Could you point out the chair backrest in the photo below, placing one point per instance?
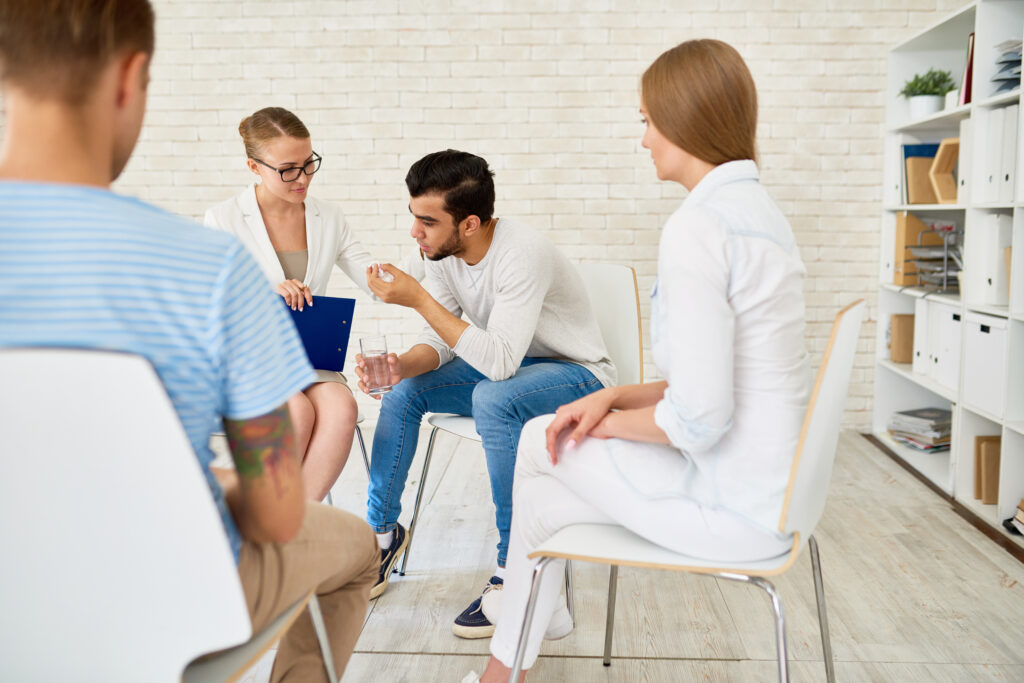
(616, 301)
(116, 564)
(816, 450)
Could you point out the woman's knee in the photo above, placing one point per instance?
(300, 409)
(532, 457)
(334, 400)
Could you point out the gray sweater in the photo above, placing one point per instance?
(524, 298)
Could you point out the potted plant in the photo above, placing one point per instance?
(926, 92)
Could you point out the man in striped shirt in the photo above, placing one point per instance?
(83, 267)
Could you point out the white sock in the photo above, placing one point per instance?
(384, 539)
(500, 573)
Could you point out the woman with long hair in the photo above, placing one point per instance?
(698, 462)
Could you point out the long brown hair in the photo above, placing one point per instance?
(56, 49)
(701, 97)
(265, 125)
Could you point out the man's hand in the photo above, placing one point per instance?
(394, 368)
(581, 417)
(403, 290)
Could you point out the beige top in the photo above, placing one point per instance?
(294, 263)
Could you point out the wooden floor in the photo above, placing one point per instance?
(914, 593)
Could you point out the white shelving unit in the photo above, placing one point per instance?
(968, 345)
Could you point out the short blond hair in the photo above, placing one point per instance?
(701, 97)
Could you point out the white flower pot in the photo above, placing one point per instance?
(925, 105)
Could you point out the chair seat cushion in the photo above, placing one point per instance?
(615, 545)
(460, 425)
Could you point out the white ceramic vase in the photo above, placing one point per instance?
(925, 105)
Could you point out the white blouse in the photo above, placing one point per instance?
(328, 240)
(727, 327)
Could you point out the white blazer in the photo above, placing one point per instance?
(329, 241)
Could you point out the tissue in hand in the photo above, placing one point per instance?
(384, 275)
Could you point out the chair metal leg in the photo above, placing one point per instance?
(780, 621)
(362, 448)
(321, 635)
(569, 602)
(613, 582)
(531, 606)
(780, 626)
(419, 498)
(819, 593)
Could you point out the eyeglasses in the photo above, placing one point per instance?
(291, 174)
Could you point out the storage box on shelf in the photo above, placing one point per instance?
(968, 330)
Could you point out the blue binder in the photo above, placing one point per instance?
(324, 328)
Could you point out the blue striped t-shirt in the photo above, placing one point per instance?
(83, 267)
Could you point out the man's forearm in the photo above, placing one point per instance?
(447, 326)
(420, 359)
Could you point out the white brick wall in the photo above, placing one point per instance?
(547, 92)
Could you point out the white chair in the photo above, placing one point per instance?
(802, 508)
(117, 565)
(615, 298)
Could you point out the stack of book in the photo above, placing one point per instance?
(924, 429)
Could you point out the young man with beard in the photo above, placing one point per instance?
(509, 335)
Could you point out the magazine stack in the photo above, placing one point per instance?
(924, 429)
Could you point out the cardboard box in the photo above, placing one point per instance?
(901, 338)
(910, 232)
(919, 184)
(986, 468)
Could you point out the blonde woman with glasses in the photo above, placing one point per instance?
(297, 240)
(699, 461)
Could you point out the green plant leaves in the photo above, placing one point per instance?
(932, 82)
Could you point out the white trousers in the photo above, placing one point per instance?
(609, 481)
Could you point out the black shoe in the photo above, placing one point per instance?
(389, 558)
(472, 623)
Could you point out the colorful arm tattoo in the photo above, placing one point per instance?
(262, 445)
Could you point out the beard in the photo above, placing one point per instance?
(451, 247)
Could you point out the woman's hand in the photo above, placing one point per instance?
(401, 288)
(295, 293)
(581, 417)
(394, 373)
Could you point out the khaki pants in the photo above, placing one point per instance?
(335, 553)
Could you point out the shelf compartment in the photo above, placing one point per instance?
(988, 513)
(934, 466)
(905, 371)
(967, 425)
(943, 120)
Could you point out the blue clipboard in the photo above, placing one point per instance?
(324, 329)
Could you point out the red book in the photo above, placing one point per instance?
(965, 82)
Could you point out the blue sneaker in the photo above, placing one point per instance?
(473, 623)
